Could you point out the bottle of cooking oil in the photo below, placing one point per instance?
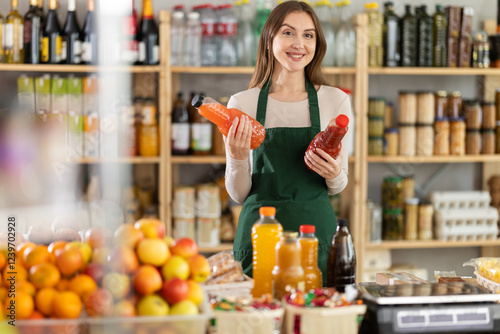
(375, 27)
(439, 38)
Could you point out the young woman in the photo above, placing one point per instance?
(289, 95)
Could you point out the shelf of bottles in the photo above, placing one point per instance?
(434, 71)
(434, 159)
(405, 244)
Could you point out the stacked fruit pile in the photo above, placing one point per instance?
(136, 271)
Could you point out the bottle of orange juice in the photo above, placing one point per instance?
(288, 273)
(309, 244)
(266, 233)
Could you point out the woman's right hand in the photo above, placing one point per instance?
(238, 138)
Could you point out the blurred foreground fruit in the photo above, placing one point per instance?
(67, 305)
(185, 307)
(153, 251)
(152, 305)
(195, 292)
(128, 235)
(176, 266)
(99, 303)
(184, 247)
(151, 227)
(175, 290)
(147, 280)
(118, 284)
(199, 268)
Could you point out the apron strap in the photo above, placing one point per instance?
(262, 103)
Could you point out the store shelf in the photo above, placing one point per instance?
(77, 68)
(246, 70)
(434, 71)
(216, 249)
(406, 244)
(119, 160)
(208, 159)
(435, 159)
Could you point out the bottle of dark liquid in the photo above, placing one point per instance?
(71, 43)
(201, 132)
(341, 263)
(89, 35)
(32, 34)
(180, 127)
(41, 12)
(424, 38)
(391, 36)
(408, 26)
(439, 38)
(130, 46)
(51, 40)
(148, 36)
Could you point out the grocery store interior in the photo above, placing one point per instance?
(97, 129)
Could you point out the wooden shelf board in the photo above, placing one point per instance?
(404, 244)
(193, 159)
(435, 159)
(216, 249)
(77, 68)
(339, 70)
(247, 70)
(433, 71)
(120, 160)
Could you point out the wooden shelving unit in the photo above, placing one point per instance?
(119, 160)
(435, 159)
(77, 68)
(431, 244)
(461, 71)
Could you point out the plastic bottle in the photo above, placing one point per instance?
(177, 38)
(341, 263)
(408, 39)
(223, 118)
(245, 45)
(266, 233)
(313, 278)
(323, 10)
(180, 127)
(424, 38)
(391, 36)
(208, 19)
(439, 38)
(192, 40)
(375, 27)
(329, 140)
(148, 133)
(262, 12)
(345, 46)
(227, 30)
(352, 121)
(288, 273)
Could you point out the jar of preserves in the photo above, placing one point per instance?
(408, 185)
(425, 140)
(425, 107)
(455, 105)
(288, 273)
(407, 140)
(389, 115)
(441, 136)
(489, 115)
(375, 145)
(392, 224)
(472, 142)
(407, 107)
(392, 193)
(411, 218)
(488, 142)
(425, 214)
(457, 136)
(441, 104)
(391, 141)
(375, 126)
(376, 107)
(473, 115)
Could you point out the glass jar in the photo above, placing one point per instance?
(498, 138)
(425, 107)
(391, 141)
(441, 136)
(488, 142)
(389, 115)
(407, 140)
(375, 145)
(375, 220)
(441, 104)
(489, 115)
(411, 218)
(455, 105)
(472, 142)
(408, 185)
(407, 107)
(425, 214)
(425, 140)
(457, 136)
(376, 107)
(375, 126)
(392, 225)
(473, 115)
(392, 193)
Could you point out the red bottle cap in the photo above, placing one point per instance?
(307, 229)
(342, 121)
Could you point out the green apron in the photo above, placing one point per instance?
(280, 178)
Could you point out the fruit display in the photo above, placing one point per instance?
(135, 271)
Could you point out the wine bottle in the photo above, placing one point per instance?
(130, 46)
(51, 40)
(71, 43)
(32, 34)
(89, 45)
(14, 35)
(40, 11)
(148, 36)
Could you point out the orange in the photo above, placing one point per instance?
(63, 285)
(82, 285)
(69, 261)
(22, 274)
(26, 287)
(67, 305)
(24, 305)
(22, 248)
(36, 315)
(55, 245)
(3, 261)
(100, 255)
(44, 299)
(44, 275)
(3, 294)
(36, 255)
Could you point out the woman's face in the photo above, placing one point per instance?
(295, 43)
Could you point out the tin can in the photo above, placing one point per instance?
(208, 232)
(208, 204)
(184, 228)
(183, 205)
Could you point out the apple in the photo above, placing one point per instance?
(195, 292)
(96, 271)
(118, 284)
(199, 268)
(147, 280)
(152, 305)
(175, 290)
(97, 236)
(99, 303)
(84, 248)
(124, 308)
(185, 307)
(128, 235)
(185, 247)
(123, 259)
(176, 266)
(151, 227)
(153, 251)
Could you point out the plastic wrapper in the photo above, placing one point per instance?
(487, 271)
(224, 269)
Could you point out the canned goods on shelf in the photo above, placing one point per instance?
(425, 107)
(425, 214)
(441, 136)
(183, 204)
(184, 228)
(208, 232)
(391, 142)
(208, 204)
(408, 186)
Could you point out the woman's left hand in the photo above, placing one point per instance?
(323, 164)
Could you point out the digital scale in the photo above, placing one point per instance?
(456, 307)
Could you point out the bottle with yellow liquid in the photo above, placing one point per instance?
(309, 244)
(288, 274)
(266, 232)
(14, 36)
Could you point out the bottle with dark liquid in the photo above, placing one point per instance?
(32, 33)
(439, 38)
(341, 263)
(180, 127)
(89, 35)
(391, 36)
(148, 36)
(408, 39)
(71, 43)
(424, 38)
(51, 41)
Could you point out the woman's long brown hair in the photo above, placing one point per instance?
(265, 58)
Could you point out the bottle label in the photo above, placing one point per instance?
(227, 29)
(142, 51)
(20, 37)
(27, 31)
(64, 48)
(58, 49)
(77, 50)
(208, 28)
(156, 54)
(201, 136)
(180, 136)
(9, 36)
(45, 50)
(87, 52)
